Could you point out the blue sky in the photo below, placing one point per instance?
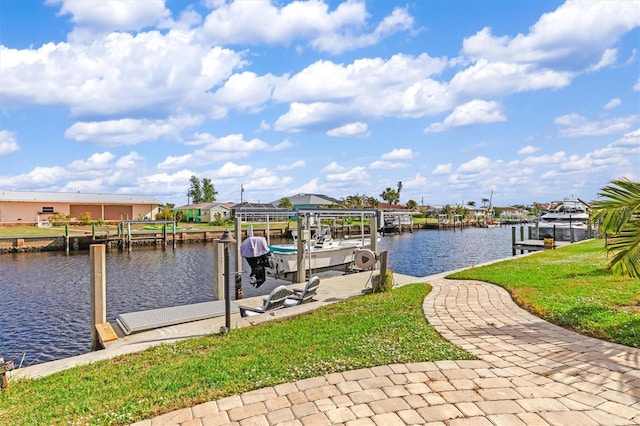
(531, 100)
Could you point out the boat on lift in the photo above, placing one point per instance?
(321, 252)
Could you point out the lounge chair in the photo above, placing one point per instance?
(275, 300)
(304, 295)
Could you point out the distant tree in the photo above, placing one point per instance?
(166, 212)
(390, 195)
(412, 205)
(471, 203)
(372, 202)
(484, 202)
(208, 191)
(399, 189)
(195, 190)
(619, 213)
(447, 210)
(285, 203)
(354, 201)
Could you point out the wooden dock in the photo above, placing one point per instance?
(535, 245)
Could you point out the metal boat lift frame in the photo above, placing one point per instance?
(306, 214)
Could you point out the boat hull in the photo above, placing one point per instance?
(563, 231)
(285, 257)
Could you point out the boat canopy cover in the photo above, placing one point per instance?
(254, 247)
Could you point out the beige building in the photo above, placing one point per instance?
(36, 207)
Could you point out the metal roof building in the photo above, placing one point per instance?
(34, 207)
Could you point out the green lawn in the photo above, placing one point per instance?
(571, 287)
(365, 331)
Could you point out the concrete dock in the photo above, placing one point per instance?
(331, 290)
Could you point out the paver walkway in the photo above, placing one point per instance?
(528, 372)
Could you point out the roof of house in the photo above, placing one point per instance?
(310, 200)
(76, 197)
(205, 206)
(257, 207)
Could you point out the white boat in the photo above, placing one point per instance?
(321, 252)
(566, 220)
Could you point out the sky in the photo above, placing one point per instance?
(459, 100)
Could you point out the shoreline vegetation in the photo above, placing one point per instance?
(570, 286)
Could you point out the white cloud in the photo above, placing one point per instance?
(576, 36)
(473, 112)
(417, 182)
(442, 169)
(333, 167)
(636, 86)
(8, 143)
(295, 165)
(311, 187)
(131, 161)
(94, 18)
(387, 165)
(485, 78)
(128, 131)
(527, 150)
(574, 125)
(355, 174)
(398, 154)
(477, 165)
(214, 149)
(243, 22)
(368, 87)
(351, 129)
(120, 74)
(613, 103)
(246, 90)
(94, 162)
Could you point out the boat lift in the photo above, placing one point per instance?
(305, 217)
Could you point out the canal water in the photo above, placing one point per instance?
(44, 297)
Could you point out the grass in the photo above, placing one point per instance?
(572, 288)
(365, 331)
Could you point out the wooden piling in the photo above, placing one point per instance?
(97, 255)
(218, 269)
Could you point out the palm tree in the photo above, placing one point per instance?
(412, 205)
(372, 202)
(390, 196)
(285, 203)
(619, 214)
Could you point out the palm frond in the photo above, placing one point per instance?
(621, 205)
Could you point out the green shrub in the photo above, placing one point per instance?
(85, 218)
(59, 219)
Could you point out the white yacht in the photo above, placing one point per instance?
(566, 220)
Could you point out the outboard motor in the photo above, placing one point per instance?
(256, 251)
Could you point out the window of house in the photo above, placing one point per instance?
(47, 210)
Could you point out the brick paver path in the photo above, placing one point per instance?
(528, 372)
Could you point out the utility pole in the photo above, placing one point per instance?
(241, 192)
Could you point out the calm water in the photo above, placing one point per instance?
(44, 297)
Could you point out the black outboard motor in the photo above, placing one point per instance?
(256, 251)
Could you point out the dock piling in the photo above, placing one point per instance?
(98, 291)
